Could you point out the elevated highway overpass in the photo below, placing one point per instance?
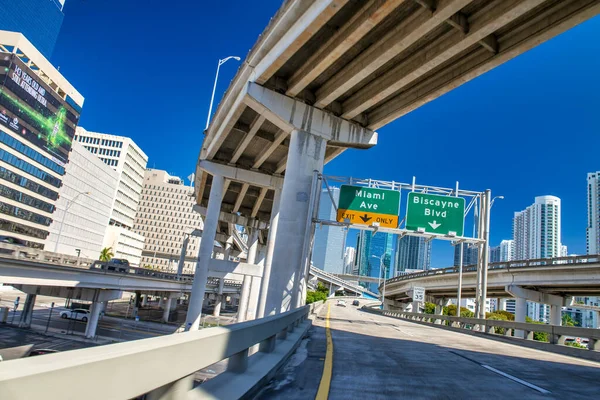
(323, 77)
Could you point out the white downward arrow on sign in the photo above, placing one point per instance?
(434, 224)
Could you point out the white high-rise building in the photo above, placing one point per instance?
(564, 251)
(507, 250)
(349, 257)
(129, 161)
(87, 194)
(593, 215)
(329, 246)
(165, 218)
(536, 230)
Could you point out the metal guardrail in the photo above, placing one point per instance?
(508, 265)
(161, 367)
(556, 334)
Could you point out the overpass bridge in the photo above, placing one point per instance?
(322, 77)
(553, 281)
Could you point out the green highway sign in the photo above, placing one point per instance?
(364, 206)
(435, 213)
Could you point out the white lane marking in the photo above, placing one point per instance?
(514, 378)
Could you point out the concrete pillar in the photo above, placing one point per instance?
(555, 315)
(144, 300)
(255, 284)
(228, 246)
(167, 309)
(92, 324)
(268, 261)
(305, 155)
(502, 304)
(220, 298)
(161, 302)
(209, 232)
(27, 313)
(247, 283)
(520, 313)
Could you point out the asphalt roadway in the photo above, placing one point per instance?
(377, 357)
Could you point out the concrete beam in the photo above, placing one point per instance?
(552, 22)
(289, 114)
(535, 296)
(240, 198)
(293, 38)
(256, 124)
(71, 292)
(241, 175)
(257, 204)
(371, 14)
(435, 54)
(266, 153)
(397, 40)
(232, 267)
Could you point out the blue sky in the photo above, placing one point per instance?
(528, 128)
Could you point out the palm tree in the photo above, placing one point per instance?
(106, 254)
(567, 320)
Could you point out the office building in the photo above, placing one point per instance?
(125, 157)
(536, 230)
(538, 312)
(470, 255)
(329, 241)
(349, 257)
(38, 20)
(507, 250)
(165, 218)
(564, 251)
(87, 196)
(495, 254)
(582, 312)
(412, 253)
(39, 110)
(593, 213)
(373, 250)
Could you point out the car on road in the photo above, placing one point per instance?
(78, 314)
(356, 303)
(341, 303)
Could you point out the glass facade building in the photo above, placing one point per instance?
(371, 247)
(329, 242)
(412, 253)
(38, 20)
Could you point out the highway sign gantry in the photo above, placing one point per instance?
(435, 213)
(365, 206)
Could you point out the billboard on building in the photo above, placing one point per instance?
(31, 108)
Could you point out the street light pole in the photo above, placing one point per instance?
(62, 220)
(212, 98)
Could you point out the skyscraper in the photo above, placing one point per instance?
(371, 248)
(165, 217)
(349, 256)
(412, 253)
(593, 214)
(38, 20)
(470, 255)
(39, 110)
(495, 254)
(507, 250)
(536, 230)
(329, 241)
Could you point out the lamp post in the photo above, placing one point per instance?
(212, 98)
(62, 221)
(486, 235)
(381, 269)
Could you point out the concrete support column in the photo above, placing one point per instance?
(247, 283)
(144, 300)
(520, 313)
(228, 246)
(27, 313)
(167, 309)
(555, 315)
(305, 155)
(268, 261)
(161, 302)
(211, 222)
(220, 298)
(92, 324)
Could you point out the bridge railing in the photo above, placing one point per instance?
(162, 367)
(556, 334)
(343, 282)
(541, 262)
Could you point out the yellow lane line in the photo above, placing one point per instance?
(323, 392)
